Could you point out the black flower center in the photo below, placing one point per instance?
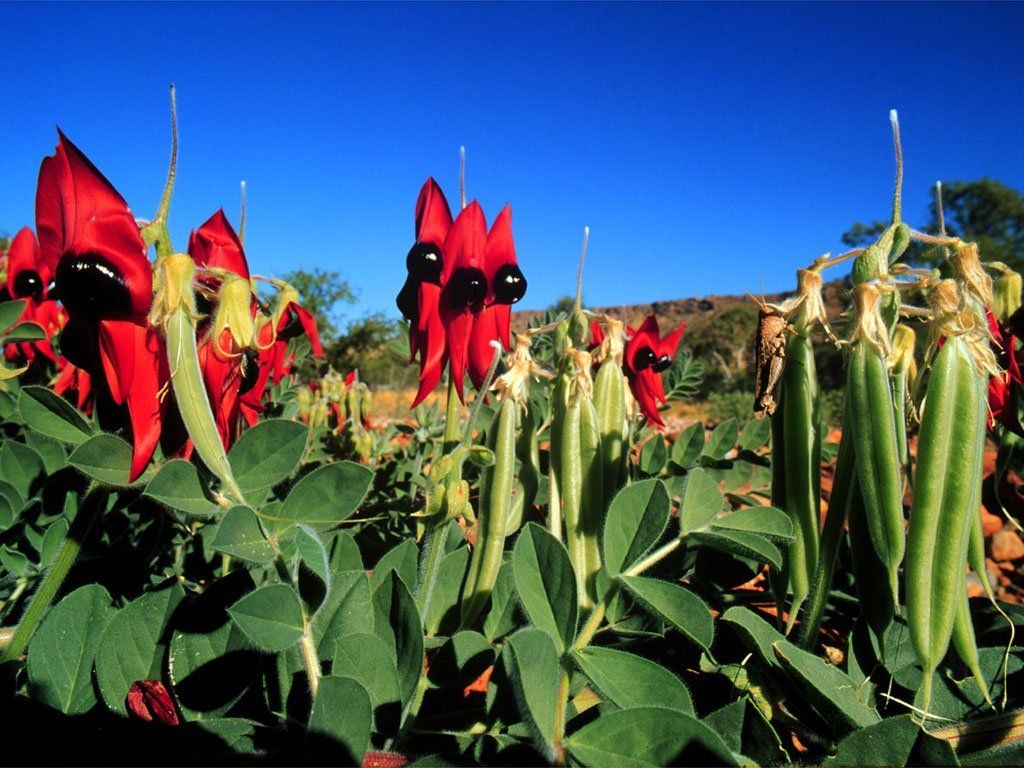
(27, 283)
(407, 299)
(645, 358)
(292, 325)
(509, 284)
(250, 371)
(424, 263)
(92, 288)
(467, 287)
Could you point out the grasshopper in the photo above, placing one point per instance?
(771, 358)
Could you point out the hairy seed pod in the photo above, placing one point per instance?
(949, 470)
(610, 402)
(874, 431)
(796, 452)
(496, 484)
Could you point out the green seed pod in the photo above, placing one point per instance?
(796, 448)
(966, 644)
(902, 370)
(949, 469)
(1006, 293)
(610, 402)
(874, 432)
(481, 455)
(556, 433)
(579, 329)
(592, 504)
(870, 572)
(496, 484)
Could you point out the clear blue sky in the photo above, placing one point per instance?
(708, 147)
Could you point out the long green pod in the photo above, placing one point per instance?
(965, 643)
(571, 492)
(610, 402)
(801, 450)
(496, 485)
(976, 555)
(870, 573)
(592, 503)
(192, 399)
(949, 466)
(559, 415)
(878, 463)
(843, 480)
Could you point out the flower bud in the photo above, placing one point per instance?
(149, 700)
(1006, 294)
(481, 455)
(172, 276)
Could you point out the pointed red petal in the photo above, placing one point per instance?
(22, 255)
(500, 249)
(433, 216)
(216, 245)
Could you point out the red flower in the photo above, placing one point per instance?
(420, 297)
(229, 370)
(149, 700)
(1003, 389)
(647, 355)
(458, 294)
(106, 284)
(28, 279)
(216, 245)
(71, 377)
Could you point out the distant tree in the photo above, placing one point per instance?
(985, 211)
(322, 292)
(371, 344)
(564, 304)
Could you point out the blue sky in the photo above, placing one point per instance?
(710, 148)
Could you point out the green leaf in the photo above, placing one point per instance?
(52, 539)
(701, 501)
(313, 553)
(671, 603)
(461, 660)
(52, 452)
(48, 413)
(397, 622)
(133, 645)
(21, 467)
(630, 681)
(636, 520)
(881, 744)
(546, 584)
(755, 434)
(238, 735)
(403, 560)
(61, 652)
(534, 670)
(177, 485)
(647, 736)
(688, 446)
(653, 455)
(326, 496)
(501, 615)
(346, 610)
(344, 552)
(27, 331)
(239, 535)
(442, 613)
(722, 439)
(271, 617)
(339, 726)
(210, 661)
(103, 457)
(10, 311)
(742, 544)
(368, 660)
(769, 522)
(744, 729)
(266, 454)
(830, 690)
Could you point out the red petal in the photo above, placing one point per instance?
(309, 326)
(149, 700)
(78, 211)
(481, 353)
(500, 249)
(433, 216)
(216, 245)
(23, 254)
(596, 335)
(669, 344)
(641, 386)
(647, 335)
(466, 243)
(135, 364)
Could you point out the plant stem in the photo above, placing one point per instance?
(310, 659)
(451, 419)
(561, 703)
(655, 557)
(94, 501)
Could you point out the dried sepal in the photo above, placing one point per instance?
(770, 352)
(521, 368)
(869, 326)
(612, 345)
(971, 275)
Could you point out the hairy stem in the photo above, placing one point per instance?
(94, 501)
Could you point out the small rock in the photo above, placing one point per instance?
(990, 524)
(1006, 545)
(974, 588)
